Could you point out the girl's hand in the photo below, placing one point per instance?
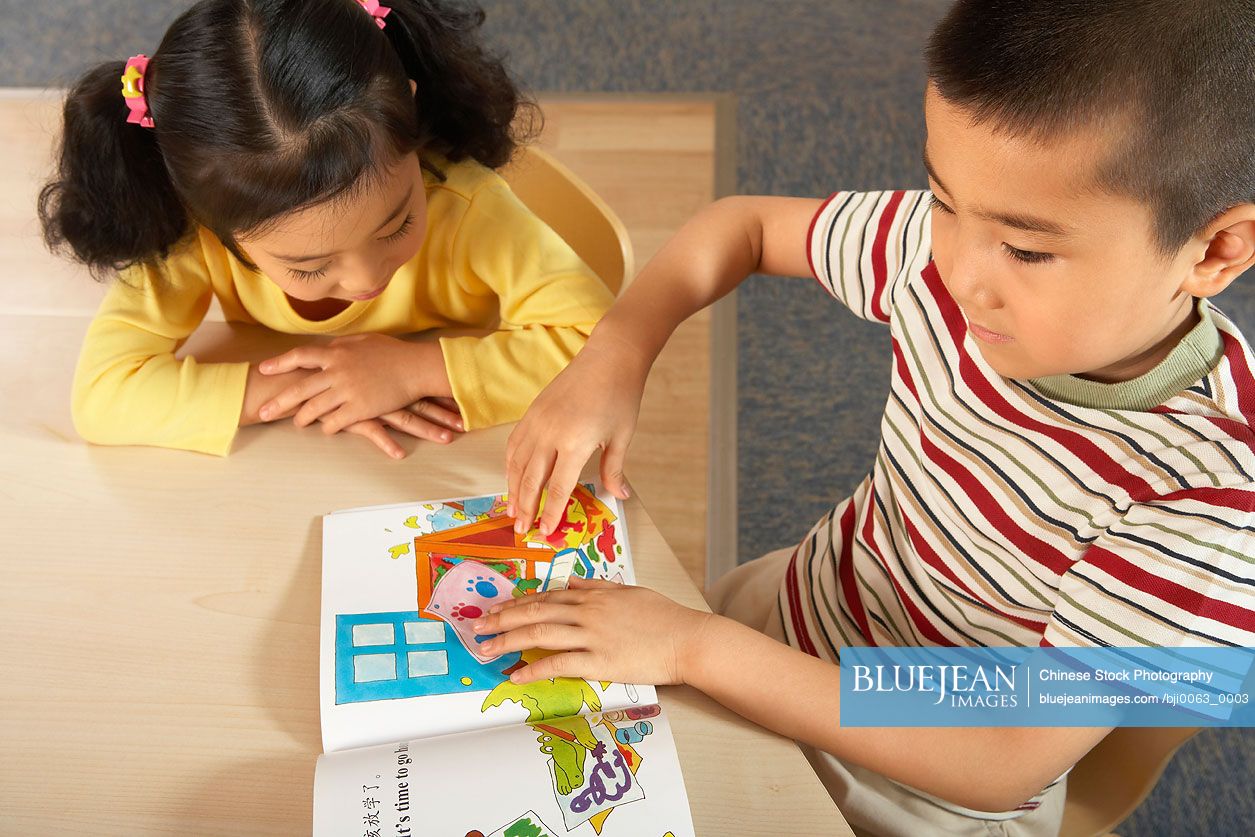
(605, 631)
(591, 404)
(415, 420)
(362, 377)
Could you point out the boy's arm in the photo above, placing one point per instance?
(710, 255)
(797, 695)
(605, 631)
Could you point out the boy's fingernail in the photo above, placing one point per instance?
(264, 412)
(265, 367)
(478, 627)
(544, 529)
(397, 454)
(487, 644)
(444, 435)
(519, 527)
(509, 510)
(495, 609)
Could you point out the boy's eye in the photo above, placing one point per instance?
(307, 275)
(402, 230)
(1026, 256)
(937, 204)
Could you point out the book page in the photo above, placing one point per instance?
(613, 774)
(403, 584)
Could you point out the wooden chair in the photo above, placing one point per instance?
(566, 203)
(1116, 776)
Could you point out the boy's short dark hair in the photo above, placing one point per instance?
(1174, 80)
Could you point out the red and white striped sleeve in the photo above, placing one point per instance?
(862, 246)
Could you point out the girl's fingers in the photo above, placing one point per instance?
(531, 482)
(417, 426)
(302, 357)
(293, 396)
(317, 407)
(339, 419)
(428, 409)
(544, 635)
(569, 664)
(374, 430)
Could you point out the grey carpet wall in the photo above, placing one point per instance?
(828, 96)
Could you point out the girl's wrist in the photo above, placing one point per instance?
(424, 373)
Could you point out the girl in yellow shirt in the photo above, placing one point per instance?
(321, 167)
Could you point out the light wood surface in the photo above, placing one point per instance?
(652, 159)
(160, 608)
(160, 615)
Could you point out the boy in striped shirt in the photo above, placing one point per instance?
(1067, 452)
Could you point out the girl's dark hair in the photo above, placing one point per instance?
(262, 107)
(1173, 82)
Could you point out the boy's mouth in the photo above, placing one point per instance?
(985, 334)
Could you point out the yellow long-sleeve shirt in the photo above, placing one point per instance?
(486, 261)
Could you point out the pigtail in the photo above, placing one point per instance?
(111, 203)
(468, 106)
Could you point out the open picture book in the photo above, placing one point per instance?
(425, 734)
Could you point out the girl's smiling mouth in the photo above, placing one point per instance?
(372, 294)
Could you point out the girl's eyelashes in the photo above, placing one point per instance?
(307, 275)
(1026, 256)
(402, 230)
(310, 275)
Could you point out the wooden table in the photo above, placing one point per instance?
(160, 619)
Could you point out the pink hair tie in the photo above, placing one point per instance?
(133, 91)
(377, 11)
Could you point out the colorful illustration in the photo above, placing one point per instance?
(593, 763)
(490, 544)
(526, 825)
(543, 699)
(385, 656)
(464, 594)
(467, 558)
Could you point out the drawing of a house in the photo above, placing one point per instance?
(492, 542)
(401, 654)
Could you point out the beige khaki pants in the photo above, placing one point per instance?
(872, 804)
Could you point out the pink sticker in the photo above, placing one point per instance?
(463, 595)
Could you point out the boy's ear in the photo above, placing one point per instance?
(1230, 249)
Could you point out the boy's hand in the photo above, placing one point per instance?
(605, 631)
(591, 404)
(362, 377)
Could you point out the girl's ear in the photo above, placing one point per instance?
(413, 87)
(1230, 249)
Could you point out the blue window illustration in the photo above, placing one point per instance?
(384, 656)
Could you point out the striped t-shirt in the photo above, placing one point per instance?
(1057, 511)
